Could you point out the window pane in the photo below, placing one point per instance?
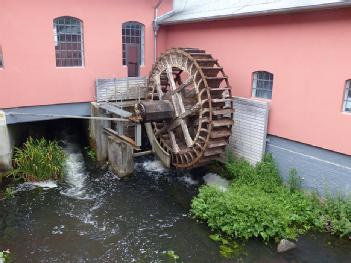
(68, 41)
(349, 94)
(268, 85)
(348, 105)
(263, 84)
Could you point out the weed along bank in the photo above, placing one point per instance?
(175, 131)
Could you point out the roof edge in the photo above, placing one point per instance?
(165, 21)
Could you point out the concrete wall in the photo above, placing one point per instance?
(5, 144)
(30, 76)
(320, 169)
(309, 55)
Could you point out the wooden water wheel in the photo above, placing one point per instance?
(194, 84)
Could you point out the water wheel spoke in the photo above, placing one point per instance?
(188, 140)
(172, 138)
(194, 109)
(171, 77)
(176, 98)
(160, 131)
(174, 124)
(180, 122)
(187, 83)
(159, 89)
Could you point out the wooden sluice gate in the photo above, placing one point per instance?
(117, 141)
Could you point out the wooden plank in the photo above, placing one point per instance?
(115, 110)
(122, 138)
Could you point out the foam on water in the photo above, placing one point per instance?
(45, 184)
(32, 185)
(154, 166)
(188, 180)
(217, 181)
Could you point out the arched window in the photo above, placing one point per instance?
(133, 43)
(68, 36)
(347, 98)
(262, 84)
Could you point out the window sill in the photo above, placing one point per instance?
(82, 67)
(346, 113)
(125, 66)
(261, 99)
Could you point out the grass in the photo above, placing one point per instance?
(38, 160)
(258, 205)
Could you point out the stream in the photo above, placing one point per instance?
(93, 216)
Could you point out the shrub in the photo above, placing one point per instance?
(264, 174)
(38, 160)
(247, 211)
(239, 168)
(258, 204)
(294, 181)
(337, 215)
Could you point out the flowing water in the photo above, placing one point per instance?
(92, 216)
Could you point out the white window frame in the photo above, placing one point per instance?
(57, 42)
(346, 99)
(142, 42)
(255, 79)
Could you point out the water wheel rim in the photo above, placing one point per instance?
(185, 61)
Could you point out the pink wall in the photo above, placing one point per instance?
(30, 76)
(309, 55)
(165, 7)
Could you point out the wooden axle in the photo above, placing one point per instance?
(156, 110)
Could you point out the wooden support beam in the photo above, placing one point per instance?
(122, 138)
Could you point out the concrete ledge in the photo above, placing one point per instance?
(79, 109)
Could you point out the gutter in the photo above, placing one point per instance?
(162, 20)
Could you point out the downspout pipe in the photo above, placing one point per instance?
(156, 27)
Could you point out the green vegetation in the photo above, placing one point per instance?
(38, 160)
(172, 255)
(228, 248)
(336, 213)
(9, 193)
(258, 204)
(90, 153)
(4, 255)
(294, 181)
